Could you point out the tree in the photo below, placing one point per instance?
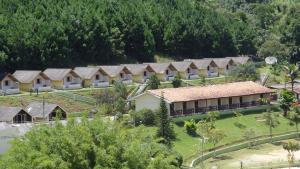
(245, 72)
(215, 136)
(291, 147)
(88, 144)
(294, 116)
(271, 120)
(176, 82)
(292, 72)
(120, 106)
(120, 90)
(211, 118)
(153, 82)
(286, 99)
(165, 128)
(238, 123)
(249, 135)
(191, 127)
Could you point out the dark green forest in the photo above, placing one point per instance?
(35, 34)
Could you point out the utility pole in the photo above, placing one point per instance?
(43, 107)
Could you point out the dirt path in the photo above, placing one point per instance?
(264, 155)
(277, 156)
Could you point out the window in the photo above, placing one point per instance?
(227, 67)
(68, 79)
(6, 83)
(188, 70)
(167, 72)
(145, 73)
(97, 77)
(208, 68)
(38, 81)
(121, 75)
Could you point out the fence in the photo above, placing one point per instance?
(242, 145)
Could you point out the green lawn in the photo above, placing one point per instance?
(190, 146)
(23, 100)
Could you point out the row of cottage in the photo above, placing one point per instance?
(102, 76)
(34, 112)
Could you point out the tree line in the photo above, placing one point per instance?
(39, 34)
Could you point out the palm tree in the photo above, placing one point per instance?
(292, 72)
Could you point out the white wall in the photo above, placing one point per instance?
(125, 76)
(74, 80)
(178, 106)
(235, 100)
(201, 103)
(212, 102)
(102, 78)
(190, 105)
(148, 101)
(11, 84)
(43, 82)
(224, 101)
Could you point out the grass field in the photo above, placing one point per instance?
(22, 100)
(190, 146)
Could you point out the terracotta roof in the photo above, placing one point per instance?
(35, 109)
(58, 74)
(8, 113)
(184, 65)
(210, 92)
(138, 69)
(114, 70)
(240, 59)
(297, 90)
(88, 72)
(202, 63)
(160, 67)
(222, 62)
(27, 76)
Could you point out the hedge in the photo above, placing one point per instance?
(224, 114)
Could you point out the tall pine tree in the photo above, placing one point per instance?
(165, 128)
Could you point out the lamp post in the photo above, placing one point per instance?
(202, 151)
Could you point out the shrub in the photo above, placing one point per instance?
(145, 116)
(191, 127)
(177, 81)
(153, 82)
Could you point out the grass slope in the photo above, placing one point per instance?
(189, 146)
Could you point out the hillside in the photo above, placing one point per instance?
(43, 33)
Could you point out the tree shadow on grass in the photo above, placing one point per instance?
(221, 158)
(278, 143)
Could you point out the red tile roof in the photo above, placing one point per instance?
(210, 92)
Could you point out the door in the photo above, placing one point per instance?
(196, 107)
(184, 107)
(230, 101)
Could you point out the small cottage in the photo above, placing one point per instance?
(93, 76)
(8, 84)
(31, 80)
(117, 73)
(45, 111)
(63, 78)
(163, 71)
(186, 69)
(14, 115)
